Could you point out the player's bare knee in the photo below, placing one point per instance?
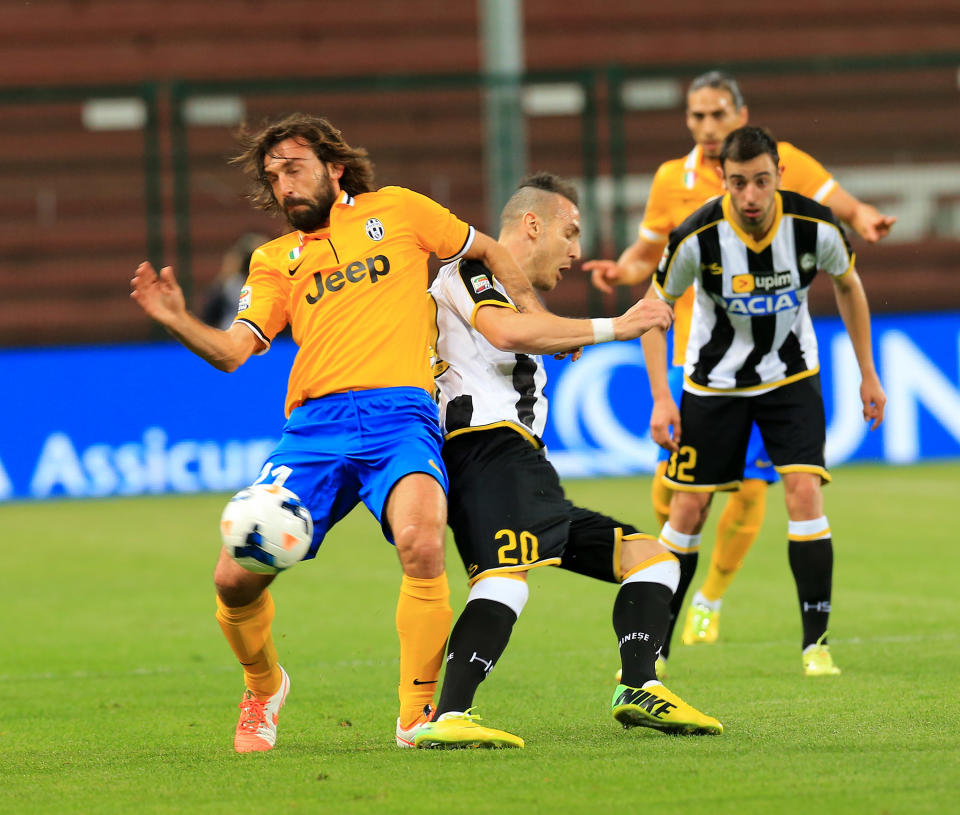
(803, 496)
(689, 510)
(235, 585)
(420, 549)
(634, 552)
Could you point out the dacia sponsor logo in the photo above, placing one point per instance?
(356, 272)
(645, 700)
(761, 304)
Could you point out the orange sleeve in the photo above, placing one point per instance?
(658, 218)
(437, 229)
(263, 300)
(802, 173)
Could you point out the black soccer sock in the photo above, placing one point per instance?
(812, 566)
(476, 643)
(641, 614)
(688, 567)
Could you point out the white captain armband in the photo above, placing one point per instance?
(602, 330)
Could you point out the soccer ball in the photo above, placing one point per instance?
(266, 528)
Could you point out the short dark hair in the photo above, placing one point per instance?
(747, 143)
(322, 137)
(529, 196)
(549, 182)
(719, 81)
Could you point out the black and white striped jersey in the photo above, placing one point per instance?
(751, 330)
(479, 386)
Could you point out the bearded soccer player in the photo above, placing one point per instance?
(752, 359)
(507, 508)
(362, 424)
(715, 107)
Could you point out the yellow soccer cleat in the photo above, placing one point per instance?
(701, 626)
(460, 730)
(661, 709)
(817, 660)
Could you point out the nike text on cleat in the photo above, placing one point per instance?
(701, 626)
(817, 660)
(661, 709)
(460, 730)
(257, 728)
(405, 735)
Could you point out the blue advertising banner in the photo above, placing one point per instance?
(136, 419)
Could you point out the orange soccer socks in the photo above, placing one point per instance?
(737, 529)
(247, 629)
(423, 623)
(660, 495)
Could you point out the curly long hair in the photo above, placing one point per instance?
(323, 138)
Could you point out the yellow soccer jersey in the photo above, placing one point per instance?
(353, 293)
(683, 185)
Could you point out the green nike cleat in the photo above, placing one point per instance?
(701, 626)
(817, 660)
(460, 730)
(661, 709)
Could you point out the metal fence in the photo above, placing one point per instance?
(95, 178)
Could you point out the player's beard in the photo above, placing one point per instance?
(316, 213)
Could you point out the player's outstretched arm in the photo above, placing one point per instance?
(546, 333)
(161, 297)
(855, 313)
(866, 220)
(501, 263)
(665, 416)
(637, 262)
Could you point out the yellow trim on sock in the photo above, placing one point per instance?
(814, 537)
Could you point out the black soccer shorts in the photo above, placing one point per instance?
(716, 429)
(508, 512)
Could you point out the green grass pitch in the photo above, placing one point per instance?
(119, 692)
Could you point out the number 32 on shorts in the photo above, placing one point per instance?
(517, 549)
(680, 462)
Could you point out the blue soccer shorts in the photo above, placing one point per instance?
(348, 447)
(757, 464)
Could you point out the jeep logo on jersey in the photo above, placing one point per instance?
(374, 229)
(761, 304)
(376, 267)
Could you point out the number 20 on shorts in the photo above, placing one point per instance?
(524, 548)
(680, 462)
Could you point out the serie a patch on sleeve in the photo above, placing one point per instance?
(480, 283)
(245, 295)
